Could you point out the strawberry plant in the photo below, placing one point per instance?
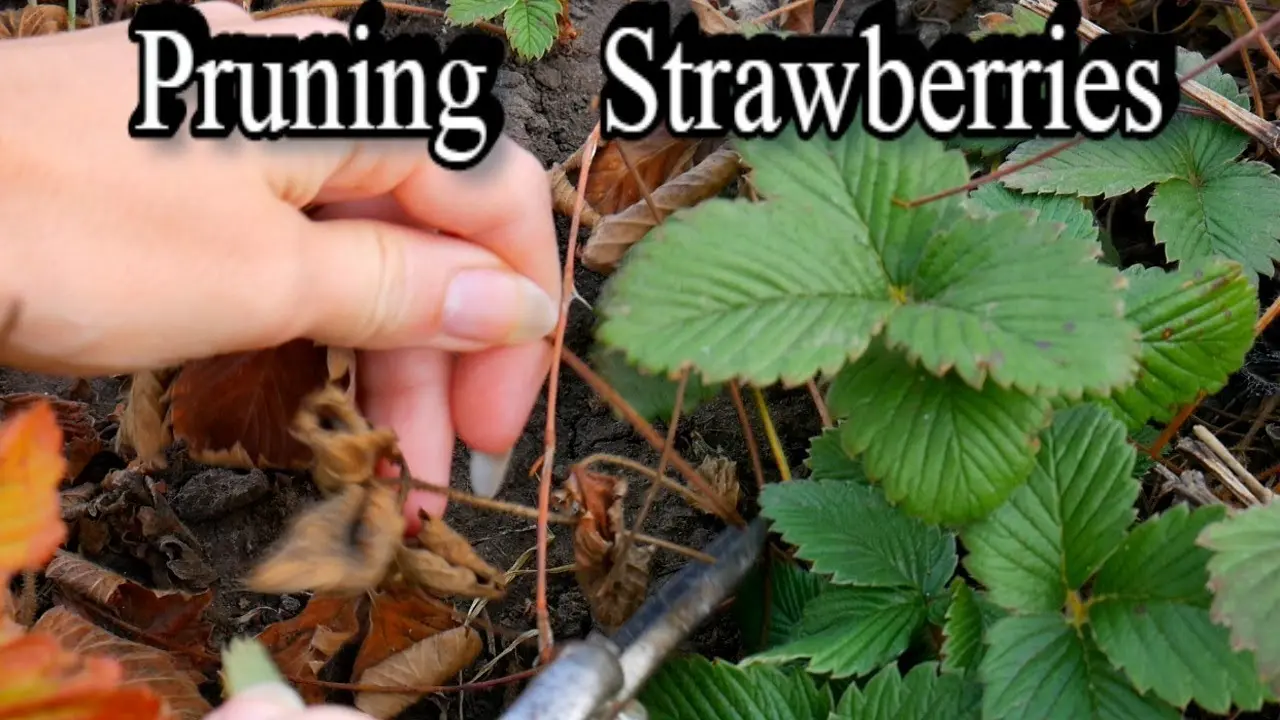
(967, 542)
(531, 26)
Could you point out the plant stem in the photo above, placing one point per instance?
(771, 434)
(651, 493)
(310, 5)
(735, 392)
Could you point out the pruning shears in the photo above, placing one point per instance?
(599, 677)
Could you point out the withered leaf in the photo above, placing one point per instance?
(611, 186)
(712, 20)
(798, 20)
(613, 578)
(80, 439)
(144, 424)
(9, 626)
(940, 10)
(302, 645)
(398, 618)
(236, 410)
(615, 234)
(175, 616)
(448, 565)
(346, 449)
(342, 545)
(722, 475)
(143, 665)
(33, 20)
(429, 663)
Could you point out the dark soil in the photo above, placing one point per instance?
(237, 515)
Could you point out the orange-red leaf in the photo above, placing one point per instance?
(31, 468)
(78, 432)
(40, 680)
(302, 645)
(175, 616)
(141, 668)
(236, 410)
(399, 618)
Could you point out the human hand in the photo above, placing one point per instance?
(123, 254)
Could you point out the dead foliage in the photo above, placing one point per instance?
(143, 666)
(433, 661)
(399, 617)
(174, 617)
(614, 235)
(80, 436)
(613, 578)
(942, 11)
(303, 645)
(128, 515)
(236, 410)
(612, 186)
(33, 20)
(722, 475)
(353, 541)
(144, 425)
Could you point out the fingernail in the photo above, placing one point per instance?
(488, 472)
(498, 307)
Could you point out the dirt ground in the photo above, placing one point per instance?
(237, 515)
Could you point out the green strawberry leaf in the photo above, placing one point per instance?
(790, 589)
(852, 631)
(1070, 211)
(923, 694)
(531, 26)
(1244, 574)
(1150, 615)
(1197, 325)
(943, 450)
(694, 688)
(828, 461)
(802, 282)
(968, 618)
(849, 531)
(652, 396)
(469, 12)
(1057, 529)
(1038, 667)
(1055, 325)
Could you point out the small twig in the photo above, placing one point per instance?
(779, 457)
(819, 403)
(992, 176)
(831, 17)
(608, 394)
(651, 493)
(311, 5)
(1246, 477)
(1254, 90)
(766, 17)
(1270, 52)
(1189, 484)
(640, 183)
(1207, 458)
(1264, 413)
(735, 393)
(464, 498)
(567, 292)
(422, 689)
(690, 496)
(673, 547)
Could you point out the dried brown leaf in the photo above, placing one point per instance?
(343, 545)
(302, 645)
(712, 20)
(615, 234)
(722, 475)
(177, 617)
(144, 424)
(345, 448)
(398, 618)
(564, 197)
(143, 666)
(800, 20)
(447, 565)
(237, 410)
(431, 662)
(612, 186)
(613, 583)
(33, 20)
(81, 441)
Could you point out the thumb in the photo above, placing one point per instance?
(377, 285)
(274, 701)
